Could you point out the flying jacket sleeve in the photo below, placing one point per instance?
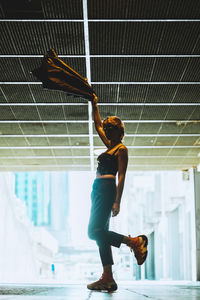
(57, 75)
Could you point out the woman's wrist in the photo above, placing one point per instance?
(94, 104)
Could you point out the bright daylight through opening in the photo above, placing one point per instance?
(44, 217)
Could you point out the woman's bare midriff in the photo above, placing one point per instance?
(105, 176)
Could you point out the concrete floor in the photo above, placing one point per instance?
(130, 291)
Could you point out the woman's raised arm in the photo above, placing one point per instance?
(98, 123)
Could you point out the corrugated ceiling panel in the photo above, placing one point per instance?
(81, 152)
(33, 128)
(168, 113)
(46, 113)
(196, 114)
(19, 69)
(63, 9)
(10, 129)
(157, 151)
(192, 72)
(176, 69)
(6, 114)
(22, 9)
(16, 93)
(148, 93)
(76, 112)
(121, 69)
(7, 152)
(125, 112)
(41, 152)
(74, 152)
(124, 38)
(6, 45)
(13, 142)
(183, 113)
(142, 9)
(186, 151)
(188, 141)
(150, 112)
(177, 141)
(38, 37)
(38, 141)
(106, 92)
(193, 127)
(70, 161)
(144, 38)
(79, 141)
(188, 93)
(180, 38)
(51, 112)
(43, 95)
(25, 113)
(144, 69)
(61, 141)
(2, 14)
(11, 70)
(172, 160)
(142, 128)
(66, 128)
(153, 141)
(2, 96)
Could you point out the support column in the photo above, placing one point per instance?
(197, 220)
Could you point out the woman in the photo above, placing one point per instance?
(106, 197)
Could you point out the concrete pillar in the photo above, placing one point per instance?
(197, 220)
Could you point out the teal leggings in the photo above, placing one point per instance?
(103, 196)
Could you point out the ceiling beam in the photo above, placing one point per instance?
(82, 157)
(178, 122)
(113, 82)
(97, 147)
(102, 104)
(99, 20)
(105, 56)
(88, 75)
(96, 135)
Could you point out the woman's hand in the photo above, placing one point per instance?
(115, 209)
(95, 99)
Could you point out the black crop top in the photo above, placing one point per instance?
(108, 163)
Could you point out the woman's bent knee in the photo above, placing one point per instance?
(94, 234)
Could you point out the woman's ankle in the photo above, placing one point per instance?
(107, 271)
(126, 240)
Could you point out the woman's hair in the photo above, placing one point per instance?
(116, 122)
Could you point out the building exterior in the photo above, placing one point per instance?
(33, 189)
(46, 198)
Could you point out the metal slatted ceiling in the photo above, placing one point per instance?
(144, 38)
(151, 113)
(143, 9)
(18, 69)
(38, 37)
(13, 93)
(145, 69)
(160, 141)
(62, 9)
(159, 47)
(148, 93)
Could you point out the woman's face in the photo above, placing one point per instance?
(111, 131)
